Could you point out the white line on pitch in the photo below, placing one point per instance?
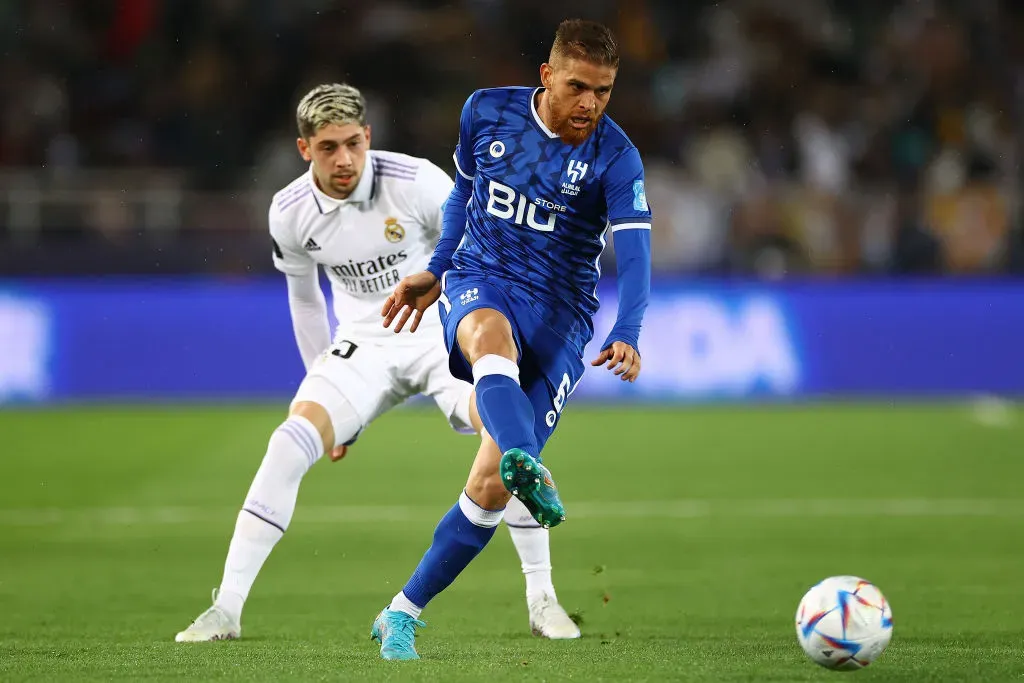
(674, 509)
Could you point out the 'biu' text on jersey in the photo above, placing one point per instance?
(384, 231)
(540, 208)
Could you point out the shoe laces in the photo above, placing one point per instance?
(214, 614)
(402, 630)
(547, 610)
(542, 604)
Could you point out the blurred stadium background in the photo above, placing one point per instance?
(804, 162)
(838, 228)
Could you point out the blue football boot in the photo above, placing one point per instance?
(396, 633)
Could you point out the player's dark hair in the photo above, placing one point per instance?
(586, 40)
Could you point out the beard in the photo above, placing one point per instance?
(562, 126)
(574, 136)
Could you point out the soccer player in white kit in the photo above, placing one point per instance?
(369, 218)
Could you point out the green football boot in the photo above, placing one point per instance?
(529, 481)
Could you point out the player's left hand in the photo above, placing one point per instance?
(339, 453)
(621, 357)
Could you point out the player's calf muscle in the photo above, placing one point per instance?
(318, 415)
(484, 332)
(484, 485)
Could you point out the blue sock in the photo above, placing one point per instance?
(504, 408)
(458, 538)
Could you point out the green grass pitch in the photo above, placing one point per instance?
(691, 535)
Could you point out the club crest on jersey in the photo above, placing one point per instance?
(575, 172)
(393, 232)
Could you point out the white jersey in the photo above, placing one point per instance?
(384, 231)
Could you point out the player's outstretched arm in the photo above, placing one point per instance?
(453, 227)
(633, 261)
(413, 295)
(454, 211)
(630, 218)
(416, 293)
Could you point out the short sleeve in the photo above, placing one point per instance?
(434, 187)
(289, 257)
(624, 192)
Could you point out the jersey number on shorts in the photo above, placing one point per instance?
(344, 349)
(559, 401)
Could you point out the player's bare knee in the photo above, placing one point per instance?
(486, 332)
(319, 417)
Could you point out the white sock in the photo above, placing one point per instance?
(532, 542)
(400, 603)
(294, 447)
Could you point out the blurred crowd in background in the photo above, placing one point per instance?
(781, 137)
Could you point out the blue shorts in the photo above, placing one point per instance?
(549, 366)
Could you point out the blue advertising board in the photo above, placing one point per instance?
(203, 339)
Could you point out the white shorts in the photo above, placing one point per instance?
(374, 375)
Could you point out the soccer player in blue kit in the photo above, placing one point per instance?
(542, 175)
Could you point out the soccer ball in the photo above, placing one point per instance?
(844, 623)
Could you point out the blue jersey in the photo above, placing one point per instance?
(540, 208)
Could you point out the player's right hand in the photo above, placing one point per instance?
(413, 295)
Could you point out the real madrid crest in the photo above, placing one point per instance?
(393, 231)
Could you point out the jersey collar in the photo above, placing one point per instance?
(362, 194)
(536, 116)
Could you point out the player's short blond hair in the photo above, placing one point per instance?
(328, 103)
(586, 40)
